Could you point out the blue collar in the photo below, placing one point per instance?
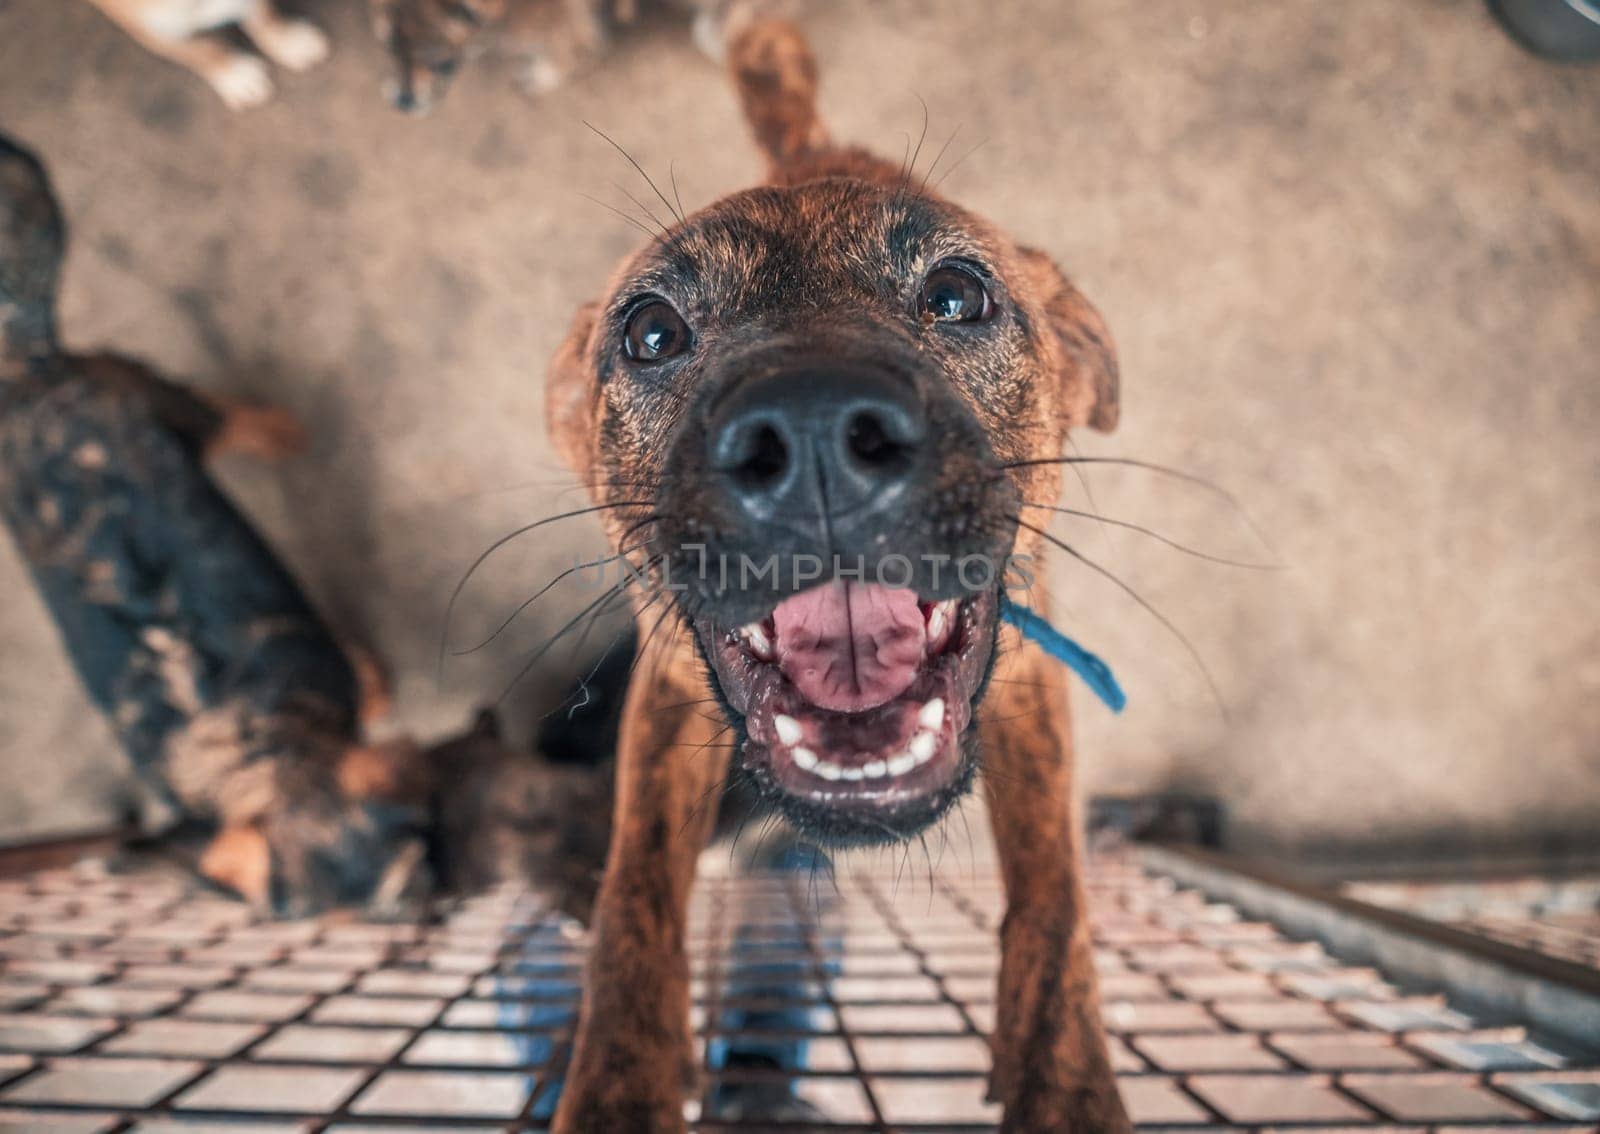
(1095, 673)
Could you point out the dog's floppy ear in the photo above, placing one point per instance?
(1083, 354)
(569, 394)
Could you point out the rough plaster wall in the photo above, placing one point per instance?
(1350, 252)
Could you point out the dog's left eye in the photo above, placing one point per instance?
(955, 294)
(655, 333)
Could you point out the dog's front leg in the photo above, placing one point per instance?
(634, 1052)
(1051, 1068)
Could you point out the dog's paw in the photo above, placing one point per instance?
(294, 844)
(243, 82)
(296, 44)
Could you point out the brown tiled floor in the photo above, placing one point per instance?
(879, 993)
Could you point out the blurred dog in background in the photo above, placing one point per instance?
(431, 40)
(179, 30)
(224, 686)
(233, 699)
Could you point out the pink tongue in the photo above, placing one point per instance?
(850, 646)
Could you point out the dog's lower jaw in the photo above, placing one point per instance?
(868, 776)
(835, 831)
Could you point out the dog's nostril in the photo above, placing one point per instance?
(870, 443)
(765, 459)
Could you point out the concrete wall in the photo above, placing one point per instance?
(1350, 252)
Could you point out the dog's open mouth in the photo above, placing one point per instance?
(856, 698)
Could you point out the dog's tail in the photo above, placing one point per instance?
(776, 76)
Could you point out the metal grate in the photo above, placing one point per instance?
(135, 1003)
(1557, 917)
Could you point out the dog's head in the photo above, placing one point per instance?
(32, 242)
(429, 41)
(811, 407)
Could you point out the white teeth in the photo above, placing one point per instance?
(940, 619)
(789, 730)
(755, 636)
(924, 744)
(922, 748)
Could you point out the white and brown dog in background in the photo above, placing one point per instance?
(182, 31)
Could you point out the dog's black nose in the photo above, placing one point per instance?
(833, 441)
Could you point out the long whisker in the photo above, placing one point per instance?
(631, 220)
(642, 207)
(1083, 483)
(537, 595)
(718, 788)
(691, 701)
(936, 157)
(668, 609)
(1172, 627)
(450, 607)
(596, 485)
(672, 177)
(911, 166)
(571, 704)
(622, 554)
(1172, 543)
(655, 188)
(636, 575)
(610, 593)
(957, 164)
(1163, 470)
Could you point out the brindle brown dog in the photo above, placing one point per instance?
(805, 407)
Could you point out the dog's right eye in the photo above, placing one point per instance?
(655, 333)
(953, 293)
